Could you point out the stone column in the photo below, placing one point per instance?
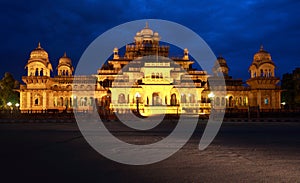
(44, 100)
(29, 100)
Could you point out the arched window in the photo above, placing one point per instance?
(66, 102)
(71, 103)
(85, 101)
(91, 101)
(266, 101)
(41, 72)
(230, 101)
(192, 98)
(67, 73)
(36, 72)
(36, 101)
(266, 73)
(261, 73)
(217, 101)
(61, 101)
(183, 98)
(223, 101)
(121, 98)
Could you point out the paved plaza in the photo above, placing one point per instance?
(241, 152)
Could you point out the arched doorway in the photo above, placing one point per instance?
(173, 99)
(156, 100)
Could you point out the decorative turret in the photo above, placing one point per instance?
(65, 67)
(185, 54)
(38, 63)
(116, 54)
(262, 64)
(263, 83)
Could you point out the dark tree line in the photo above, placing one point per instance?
(8, 93)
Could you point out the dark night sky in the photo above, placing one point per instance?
(235, 29)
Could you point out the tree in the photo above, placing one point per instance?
(8, 93)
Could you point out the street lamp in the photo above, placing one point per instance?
(9, 104)
(137, 96)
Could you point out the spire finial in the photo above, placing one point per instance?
(147, 26)
(261, 47)
(39, 45)
(65, 54)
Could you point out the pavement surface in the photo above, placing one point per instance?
(241, 152)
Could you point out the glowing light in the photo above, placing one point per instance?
(17, 104)
(211, 95)
(137, 95)
(9, 104)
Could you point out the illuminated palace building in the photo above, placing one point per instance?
(149, 85)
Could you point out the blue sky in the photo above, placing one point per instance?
(233, 29)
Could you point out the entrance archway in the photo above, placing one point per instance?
(173, 99)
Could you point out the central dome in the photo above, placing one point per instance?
(146, 31)
(146, 35)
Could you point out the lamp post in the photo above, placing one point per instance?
(17, 105)
(9, 104)
(137, 96)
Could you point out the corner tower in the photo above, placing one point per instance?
(35, 94)
(264, 91)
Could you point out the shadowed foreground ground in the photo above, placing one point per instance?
(242, 152)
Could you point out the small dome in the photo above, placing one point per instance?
(39, 53)
(65, 60)
(262, 56)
